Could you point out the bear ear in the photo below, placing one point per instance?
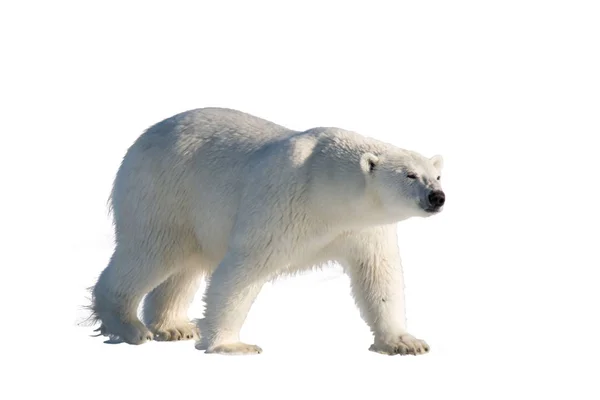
(438, 162)
(368, 162)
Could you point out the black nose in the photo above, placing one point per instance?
(437, 198)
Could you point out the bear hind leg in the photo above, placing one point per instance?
(166, 306)
(117, 294)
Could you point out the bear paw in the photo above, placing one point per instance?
(235, 349)
(132, 333)
(404, 345)
(178, 331)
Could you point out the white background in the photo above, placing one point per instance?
(503, 284)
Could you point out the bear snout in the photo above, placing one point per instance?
(436, 198)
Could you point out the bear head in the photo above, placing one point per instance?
(404, 183)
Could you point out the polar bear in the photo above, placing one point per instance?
(219, 194)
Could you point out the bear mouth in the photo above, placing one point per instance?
(433, 210)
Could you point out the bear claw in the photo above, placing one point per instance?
(183, 331)
(404, 345)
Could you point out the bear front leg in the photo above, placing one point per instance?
(229, 296)
(372, 261)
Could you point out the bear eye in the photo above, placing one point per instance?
(438, 178)
(411, 176)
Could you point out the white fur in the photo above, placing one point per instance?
(219, 194)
